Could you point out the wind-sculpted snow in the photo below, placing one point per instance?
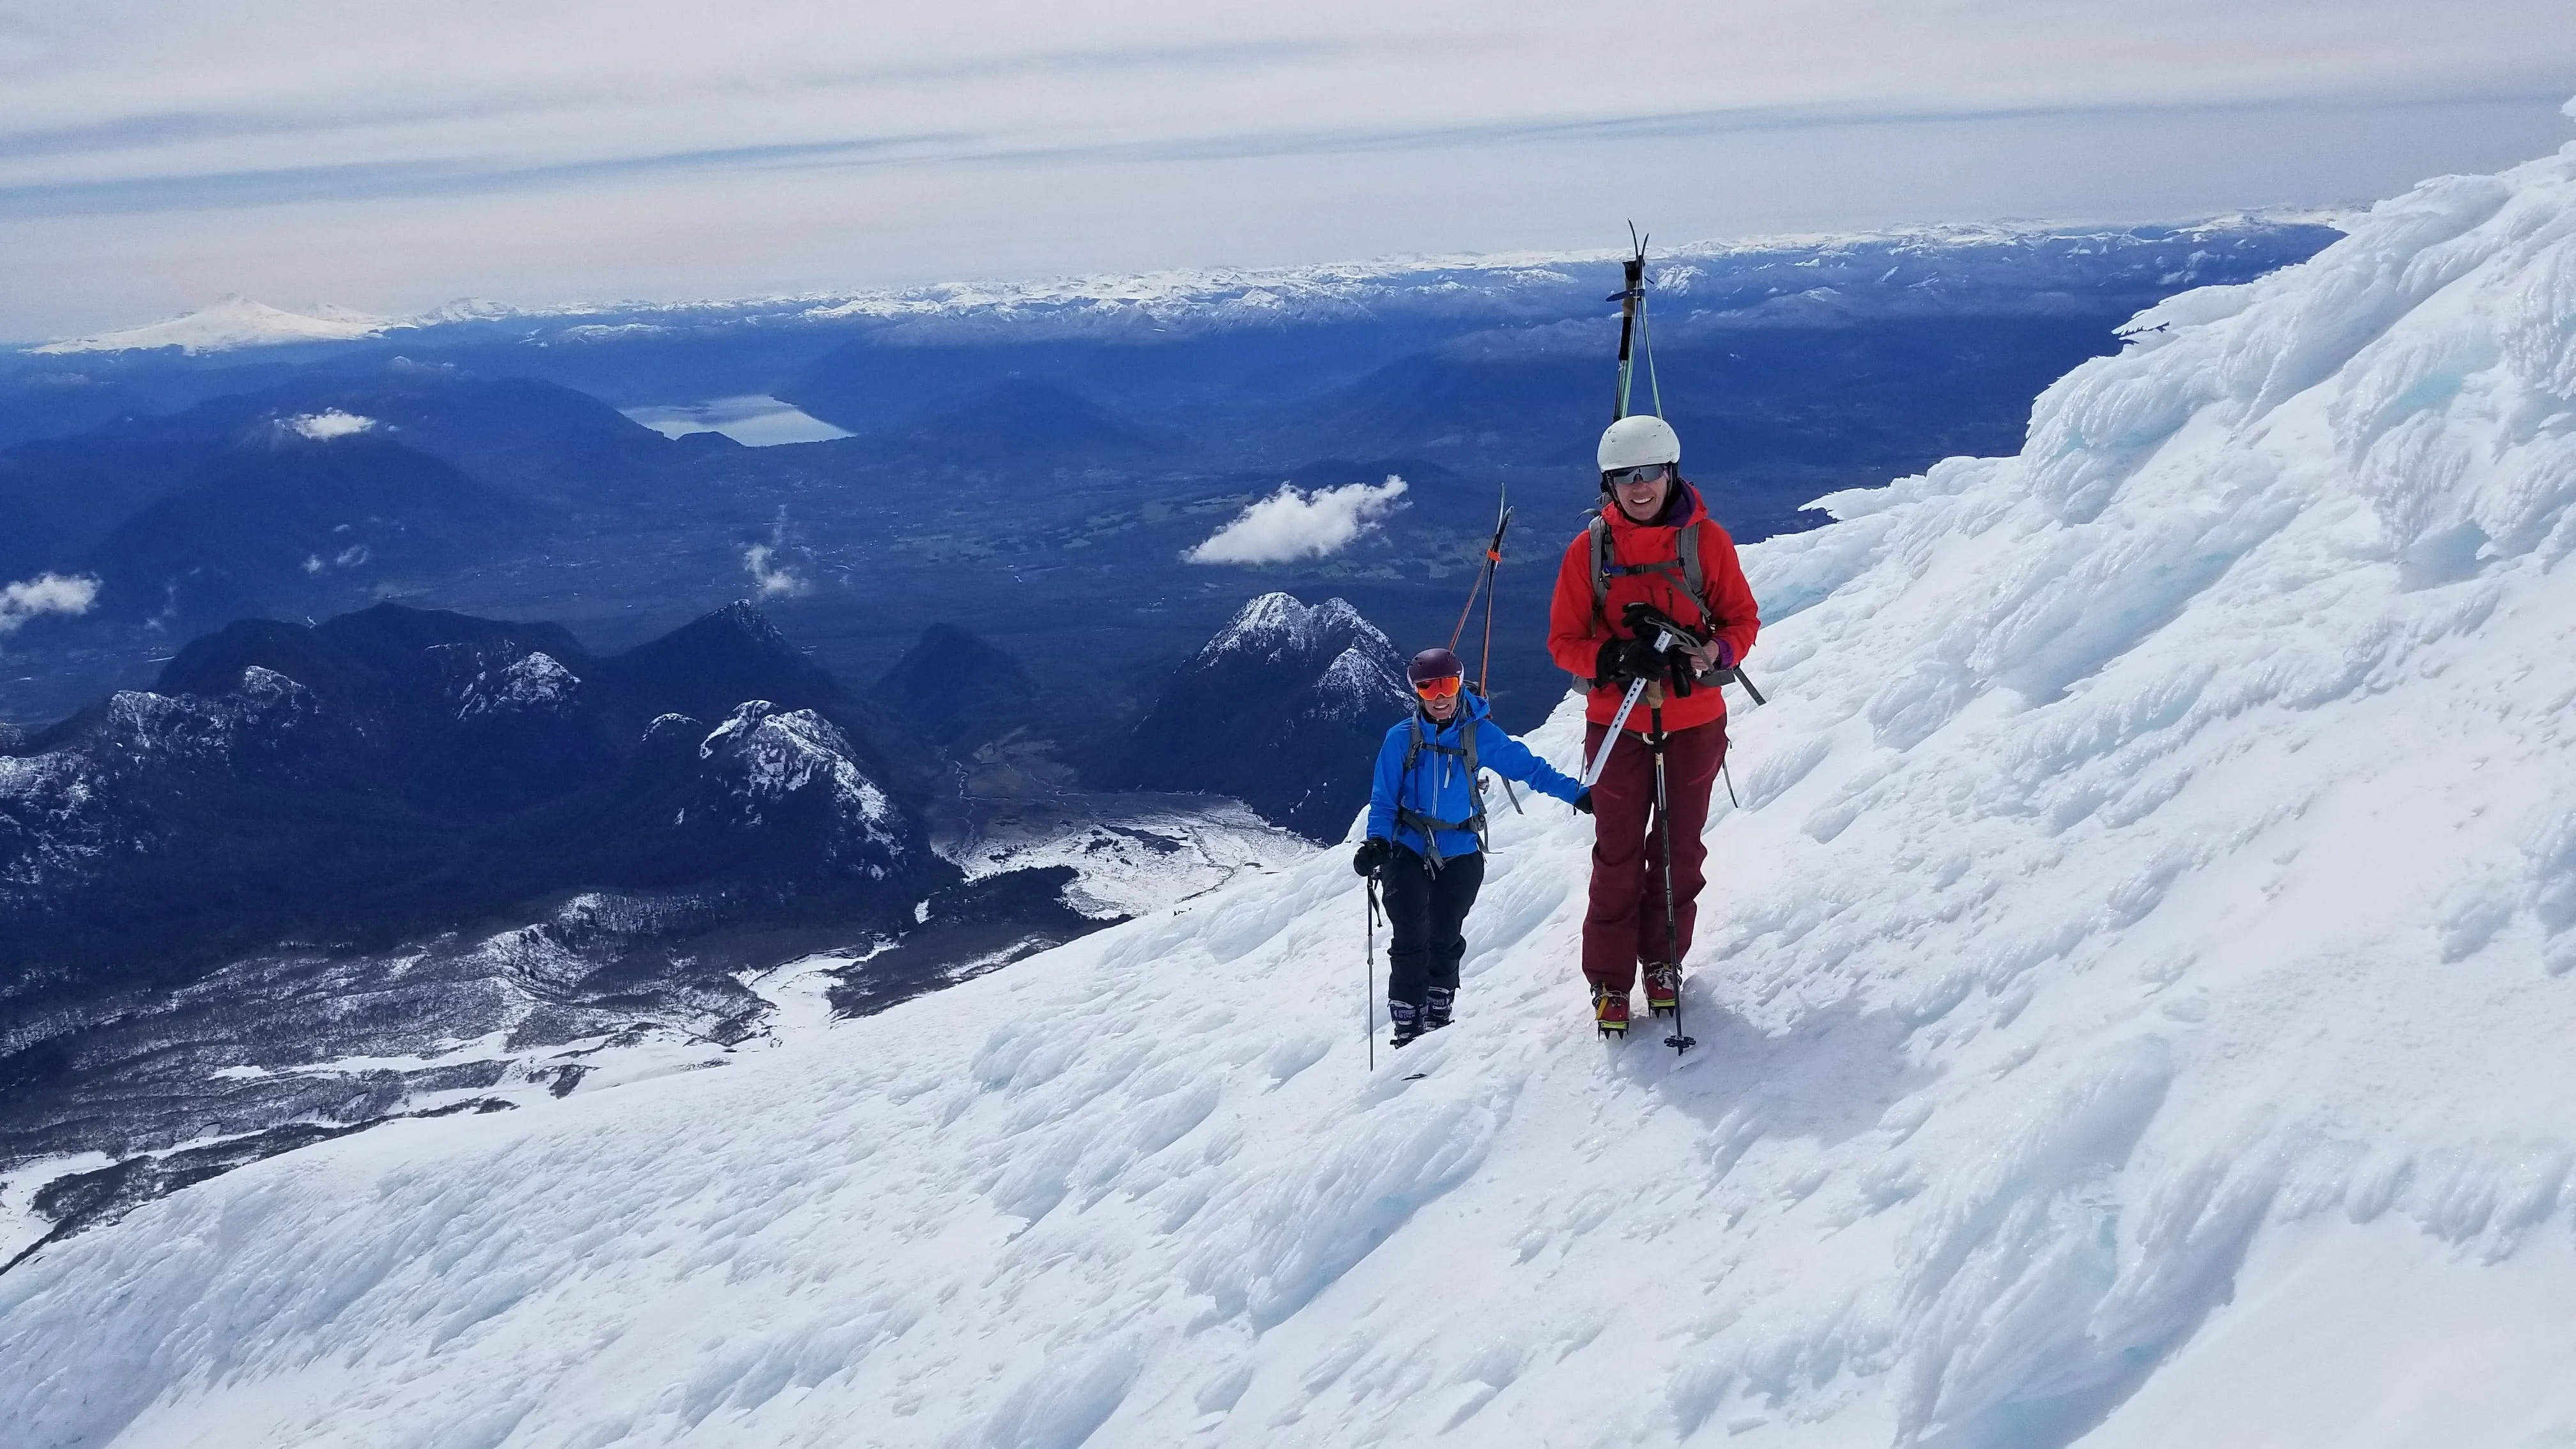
(2133, 1003)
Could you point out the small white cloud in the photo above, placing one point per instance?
(332, 423)
(44, 594)
(773, 582)
(1291, 524)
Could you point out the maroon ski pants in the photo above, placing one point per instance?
(1625, 924)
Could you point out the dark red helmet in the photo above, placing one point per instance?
(1433, 664)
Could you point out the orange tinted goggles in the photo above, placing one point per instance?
(1438, 688)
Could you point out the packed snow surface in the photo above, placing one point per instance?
(2134, 1008)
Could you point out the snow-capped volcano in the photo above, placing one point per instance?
(233, 322)
(2134, 1009)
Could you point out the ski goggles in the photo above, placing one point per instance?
(1445, 687)
(1650, 473)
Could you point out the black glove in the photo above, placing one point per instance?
(1371, 857)
(1626, 659)
(1583, 802)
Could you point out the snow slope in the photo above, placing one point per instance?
(2136, 1010)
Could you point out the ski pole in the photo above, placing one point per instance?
(1672, 928)
(1627, 706)
(1368, 992)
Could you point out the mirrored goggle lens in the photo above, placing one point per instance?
(1437, 688)
(1651, 473)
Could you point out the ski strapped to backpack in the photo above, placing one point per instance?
(1430, 826)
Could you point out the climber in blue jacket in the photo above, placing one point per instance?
(1426, 826)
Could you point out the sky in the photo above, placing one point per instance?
(388, 157)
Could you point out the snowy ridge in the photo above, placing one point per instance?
(536, 683)
(1276, 625)
(57, 813)
(765, 755)
(1363, 679)
(2133, 1008)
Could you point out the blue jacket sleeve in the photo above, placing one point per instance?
(1383, 787)
(1509, 758)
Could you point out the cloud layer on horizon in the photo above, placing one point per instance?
(388, 158)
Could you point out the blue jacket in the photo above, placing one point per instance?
(1437, 785)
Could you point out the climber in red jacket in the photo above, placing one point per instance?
(1651, 542)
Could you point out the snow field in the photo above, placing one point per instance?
(2134, 1001)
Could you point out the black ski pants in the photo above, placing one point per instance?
(1425, 913)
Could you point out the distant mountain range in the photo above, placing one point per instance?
(397, 769)
(1224, 298)
(1029, 463)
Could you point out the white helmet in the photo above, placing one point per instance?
(1639, 441)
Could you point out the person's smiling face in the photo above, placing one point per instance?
(1641, 491)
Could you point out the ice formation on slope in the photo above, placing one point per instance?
(2134, 1009)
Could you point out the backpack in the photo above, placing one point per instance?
(1685, 568)
(1430, 827)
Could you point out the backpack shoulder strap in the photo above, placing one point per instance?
(1687, 538)
(1599, 529)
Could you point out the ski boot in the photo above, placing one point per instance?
(1435, 1007)
(1610, 1011)
(1663, 988)
(1408, 1022)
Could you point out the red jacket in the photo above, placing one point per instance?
(1575, 630)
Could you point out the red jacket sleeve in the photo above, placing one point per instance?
(1573, 635)
(1729, 596)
